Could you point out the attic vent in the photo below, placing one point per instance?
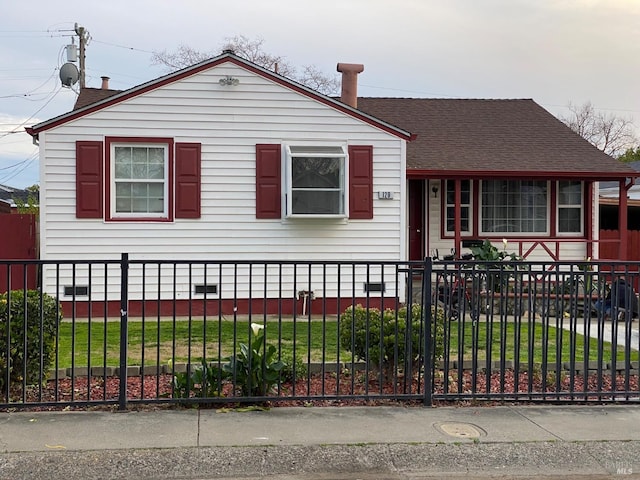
(201, 289)
(76, 290)
(374, 287)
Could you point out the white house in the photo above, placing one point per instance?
(229, 162)
(223, 161)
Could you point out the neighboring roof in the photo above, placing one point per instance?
(88, 96)
(102, 99)
(491, 138)
(11, 194)
(614, 185)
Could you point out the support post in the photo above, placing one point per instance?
(622, 219)
(124, 336)
(83, 37)
(428, 351)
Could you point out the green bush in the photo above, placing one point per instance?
(202, 381)
(382, 340)
(299, 365)
(40, 322)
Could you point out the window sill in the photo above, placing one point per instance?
(316, 216)
(139, 219)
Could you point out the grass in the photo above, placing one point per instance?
(154, 342)
(507, 341)
(151, 343)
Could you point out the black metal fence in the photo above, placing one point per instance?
(132, 331)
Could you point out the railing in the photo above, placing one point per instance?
(157, 332)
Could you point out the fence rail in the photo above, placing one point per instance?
(130, 331)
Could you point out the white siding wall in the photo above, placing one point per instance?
(229, 121)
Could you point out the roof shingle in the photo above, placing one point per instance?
(517, 136)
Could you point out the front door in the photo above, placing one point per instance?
(416, 220)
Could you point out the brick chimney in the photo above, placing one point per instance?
(105, 83)
(350, 73)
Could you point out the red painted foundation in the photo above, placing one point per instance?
(199, 307)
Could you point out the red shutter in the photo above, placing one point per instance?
(360, 181)
(268, 180)
(187, 161)
(89, 179)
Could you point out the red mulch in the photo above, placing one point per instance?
(371, 392)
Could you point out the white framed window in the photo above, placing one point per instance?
(316, 180)
(139, 180)
(570, 207)
(465, 206)
(514, 207)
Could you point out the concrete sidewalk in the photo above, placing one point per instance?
(324, 442)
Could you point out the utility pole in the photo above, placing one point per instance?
(83, 36)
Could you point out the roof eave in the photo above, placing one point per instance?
(506, 174)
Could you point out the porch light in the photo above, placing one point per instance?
(229, 81)
(434, 189)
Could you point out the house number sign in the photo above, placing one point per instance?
(385, 195)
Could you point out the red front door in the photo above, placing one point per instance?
(416, 220)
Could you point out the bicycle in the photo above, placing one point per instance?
(457, 291)
(567, 294)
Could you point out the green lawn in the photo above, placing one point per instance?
(155, 344)
(506, 341)
(158, 342)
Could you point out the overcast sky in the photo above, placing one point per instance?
(553, 51)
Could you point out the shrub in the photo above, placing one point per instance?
(293, 369)
(40, 323)
(202, 381)
(383, 340)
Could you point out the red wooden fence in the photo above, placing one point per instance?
(610, 245)
(18, 242)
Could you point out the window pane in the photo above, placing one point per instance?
(317, 175)
(464, 219)
(465, 203)
(156, 166)
(139, 205)
(139, 190)
(123, 189)
(317, 202)
(140, 164)
(514, 206)
(123, 205)
(569, 193)
(316, 172)
(122, 162)
(569, 220)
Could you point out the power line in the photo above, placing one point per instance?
(16, 130)
(26, 163)
(121, 46)
(35, 89)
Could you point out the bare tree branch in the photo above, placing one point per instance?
(612, 134)
(252, 50)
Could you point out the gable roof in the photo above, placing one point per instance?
(93, 101)
(491, 138)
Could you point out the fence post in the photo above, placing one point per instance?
(428, 325)
(124, 336)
